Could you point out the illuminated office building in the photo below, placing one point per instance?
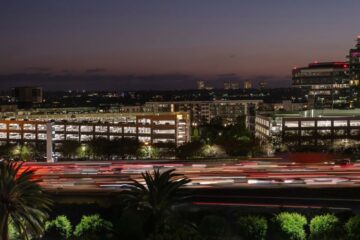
(326, 84)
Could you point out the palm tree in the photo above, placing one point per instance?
(157, 197)
(22, 202)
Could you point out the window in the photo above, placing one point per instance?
(3, 135)
(130, 130)
(324, 132)
(164, 131)
(144, 139)
(74, 137)
(41, 127)
(86, 137)
(355, 132)
(86, 128)
(114, 137)
(101, 129)
(291, 124)
(59, 137)
(340, 123)
(165, 122)
(144, 130)
(114, 129)
(324, 123)
(28, 126)
(339, 132)
(144, 121)
(29, 136)
(42, 136)
(72, 128)
(307, 133)
(14, 135)
(14, 126)
(354, 123)
(59, 128)
(2, 125)
(306, 124)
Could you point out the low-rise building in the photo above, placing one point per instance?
(147, 128)
(205, 111)
(317, 129)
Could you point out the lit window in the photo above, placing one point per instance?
(14, 126)
(101, 129)
(28, 126)
(355, 123)
(324, 123)
(291, 124)
(86, 128)
(307, 124)
(340, 123)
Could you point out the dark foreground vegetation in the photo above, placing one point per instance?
(157, 209)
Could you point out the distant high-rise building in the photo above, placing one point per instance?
(326, 83)
(200, 85)
(247, 84)
(354, 73)
(231, 85)
(262, 84)
(28, 95)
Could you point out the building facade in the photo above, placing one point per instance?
(204, 111)
(326, 83)
(317, 129)
(147, 128)
(354, 72)
(28, 95)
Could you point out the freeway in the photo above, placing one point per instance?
(265, 183)
(114, 176)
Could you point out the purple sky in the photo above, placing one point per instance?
(47, 41)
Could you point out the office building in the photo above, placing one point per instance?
(311, 129)
(28, 95)
(200, 85)
(354, 72)
(326, 84)
(262, 84)
(247, 84)
(231, 85)
(204, 111)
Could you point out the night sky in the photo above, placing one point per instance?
(168, 44)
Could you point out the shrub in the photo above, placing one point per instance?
(253, 227)
(291, 225)
(93, 227)
(324, 227)
(59, 228)
(352, 228)
(213, 227)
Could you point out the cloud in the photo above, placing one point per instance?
(96, 70)
(70, 80)
(37, 70)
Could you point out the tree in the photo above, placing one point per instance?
(22, 201)
(324, 227)
(69, 148)
(162, 191)
(352, 228)
(190, 150)
(253, 227)
(93, 227)
(291, 226)
(58, 229)
(23, 152)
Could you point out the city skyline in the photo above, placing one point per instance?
(157, 45)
